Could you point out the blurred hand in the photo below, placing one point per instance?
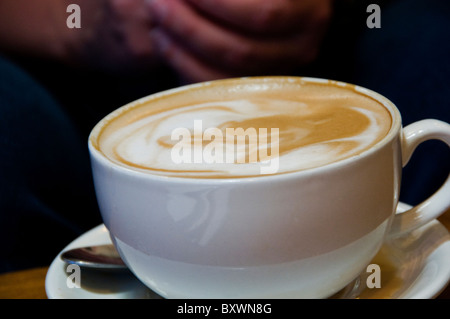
(210, 39)
(114, 35)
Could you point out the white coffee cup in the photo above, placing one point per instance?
(302, 234)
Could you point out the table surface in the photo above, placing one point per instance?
(30, 284)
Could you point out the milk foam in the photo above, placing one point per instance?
(317, 125)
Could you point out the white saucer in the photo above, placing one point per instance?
(414, 266)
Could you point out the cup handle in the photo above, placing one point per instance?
(439, 202)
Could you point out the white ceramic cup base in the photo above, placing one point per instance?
(181, 280)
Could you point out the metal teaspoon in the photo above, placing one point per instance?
(100, 257)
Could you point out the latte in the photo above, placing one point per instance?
(290, 122)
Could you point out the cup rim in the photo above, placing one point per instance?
(102, 158)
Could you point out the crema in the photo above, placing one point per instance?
(244, 128)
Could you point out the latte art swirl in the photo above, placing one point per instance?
(315, 124)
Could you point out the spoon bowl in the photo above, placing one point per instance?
(103, 257)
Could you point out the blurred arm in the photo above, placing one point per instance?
(33, 27)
